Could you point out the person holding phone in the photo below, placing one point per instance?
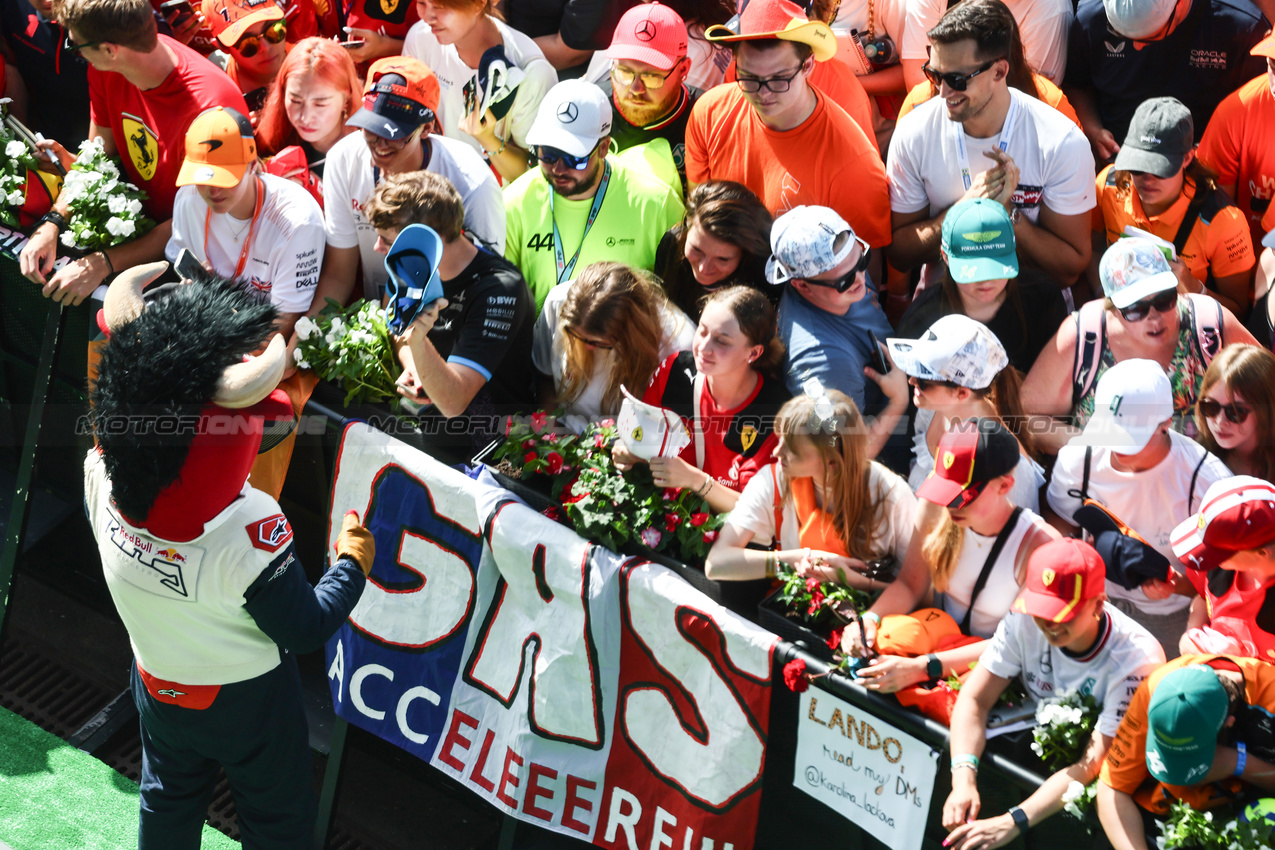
(51, 77)
(254, 37)
(376, 29)
(1060, 636)
(467, 354)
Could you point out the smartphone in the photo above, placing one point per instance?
(176, 4)
(879, 361)
(352, 43)
(189, 267)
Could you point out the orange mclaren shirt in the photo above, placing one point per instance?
(1236, 145)
(827, 160)
(1049, 93)
(1219, 241)
(1125, 768)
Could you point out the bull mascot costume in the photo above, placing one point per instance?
(200, 565)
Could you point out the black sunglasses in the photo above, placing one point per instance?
(847, 280)
(956, 82)
(250, 44)
(1162, 303)
(925, 384)
(71, 45)
(1235, 413)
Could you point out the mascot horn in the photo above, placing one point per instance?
(201, 565)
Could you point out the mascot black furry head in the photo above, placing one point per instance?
(179, 406)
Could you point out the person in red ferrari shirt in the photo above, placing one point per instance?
(144, 91)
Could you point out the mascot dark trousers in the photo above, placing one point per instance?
(256, 730)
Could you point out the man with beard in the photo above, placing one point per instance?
(580, 207)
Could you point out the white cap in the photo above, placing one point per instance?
(807, 242)
(1138, 18)
(956, 348)
(1132, 269)
(573, 117)
(1132, 400)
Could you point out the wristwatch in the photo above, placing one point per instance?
(55, 218)
(933, 667)
(1020, 819)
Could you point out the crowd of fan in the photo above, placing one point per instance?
(957, 308)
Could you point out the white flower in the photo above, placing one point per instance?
(15, 149)
(116, 204)
(338, 326)
(134, 205)
(68, 239)
(15, 199)
(305, 328)
(1038, 749)
(304, 364)
(1073, 793)
(117, 226)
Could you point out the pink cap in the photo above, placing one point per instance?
(650, 33)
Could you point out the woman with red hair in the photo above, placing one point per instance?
(316, 90)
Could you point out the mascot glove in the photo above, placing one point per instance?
(356, 543)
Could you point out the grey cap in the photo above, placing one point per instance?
(1160, 135)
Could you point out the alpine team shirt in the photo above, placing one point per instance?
(150, 126)
(634, 215)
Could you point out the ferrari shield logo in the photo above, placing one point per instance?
(748, 436)
(143, 146)
(1047, 576)
(388, 6)
(637, 434)
(948, 460)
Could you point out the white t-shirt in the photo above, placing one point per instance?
(1042, 24)
(549, 356)
(453, 74)
(709, 60)
(286, 253)
(1151, 502)
(1029, 476)
(998, 594)
(1123, 655)
(348, 181)
(755, 510)
(1053, 157)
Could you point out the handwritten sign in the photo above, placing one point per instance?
(876, 776)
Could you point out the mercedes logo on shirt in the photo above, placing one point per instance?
(567, 113)
(645, 31)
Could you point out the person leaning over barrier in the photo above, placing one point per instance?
(1210, 724)
(1060, 636)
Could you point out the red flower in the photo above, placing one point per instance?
(538, 421)
(509, 425)
(599, 442)
(816, 599)
(529, 457)
(795, 676)
(553, 512)
(710, 536)
(568, 498)
(671, 493)
(606, 423)
(671, 521)
(551, 437)
(555, 462)
(698, 518)
(834, 640)
(812, 585)
(528, 444)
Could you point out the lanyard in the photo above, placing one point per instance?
(1007, 135)
(565, 268)
(252, 226)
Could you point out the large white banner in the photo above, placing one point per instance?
(594, 694)
(876, 776)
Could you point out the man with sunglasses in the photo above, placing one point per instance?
(1123, 52)
(400, 102)
(145, 89)
(980, 138)
(51, 78)
(647, 84)
(829, 311)
(581, 206)
(779, 135)
(1129, 460)
(1229, 552)
(252, 33)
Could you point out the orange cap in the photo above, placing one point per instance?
(229, 18)
(401, 94)
(1265, 47)
(915, 634)
(219, 149)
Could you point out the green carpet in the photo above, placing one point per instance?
(54, 797)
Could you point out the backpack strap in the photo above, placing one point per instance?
(1084, 480)
(697, 427)
(1091, 329)
(778, 503)
(1195, 476)
(1206, 317)
(992, 557)
(1193, 210)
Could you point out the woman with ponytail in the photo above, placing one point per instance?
(958, 370)
(825, 507)
(964, 571)
(727, 391)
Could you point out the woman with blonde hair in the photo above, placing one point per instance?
(727, 391)
(1235, 414)
(824, 506)
(610, 327)
(967, 560)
